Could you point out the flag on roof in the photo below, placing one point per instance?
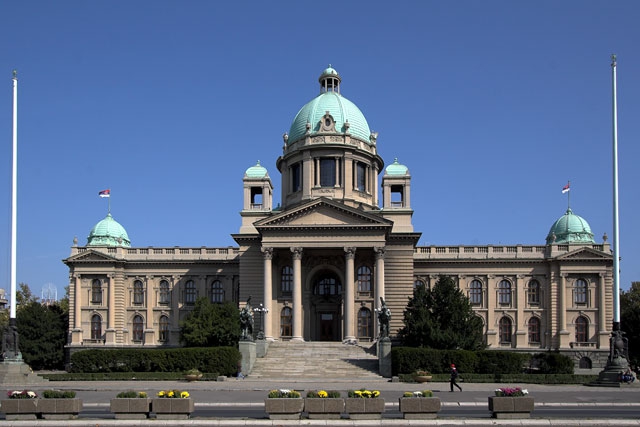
(565, 189)
(105, 193)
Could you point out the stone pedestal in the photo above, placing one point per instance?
(363, 408)
(131, 408)
(248, 352)
(18, 373)
(384, 357)
(262, 346)
(172, 408)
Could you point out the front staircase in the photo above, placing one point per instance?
(329, 360)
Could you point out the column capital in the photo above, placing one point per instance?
(297, 253)
(380, 251)
(350, 252)
(267, 252)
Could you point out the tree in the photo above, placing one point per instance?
(441, 318)
(211, 324)
(24, 296)
(42, 332)
(630, 320)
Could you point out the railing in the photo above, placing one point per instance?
(153, 253)
(484, 252)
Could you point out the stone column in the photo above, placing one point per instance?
(149, 332)
(379, 283)
(563, 334)
(110, 333)
(490, 297)
(603, 335)
(349, 297)
(520, 299)
(76, 332)
(337, 177)
(297, 295)
(267, 293)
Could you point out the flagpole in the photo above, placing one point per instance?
(569, 195)
(14, 200)
(616, 227)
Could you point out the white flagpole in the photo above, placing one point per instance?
(14, 198)
(616, 227)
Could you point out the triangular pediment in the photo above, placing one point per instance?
(323, 213)
(90, 256)
(584, 254)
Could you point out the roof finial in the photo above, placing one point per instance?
(15, 74)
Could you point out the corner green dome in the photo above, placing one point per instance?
(396, 168)
(341, 109)
(256, 171)
(108, 232)
(570, 228)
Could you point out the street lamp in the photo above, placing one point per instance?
(262, 310)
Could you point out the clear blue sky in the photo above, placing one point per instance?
(493, 106)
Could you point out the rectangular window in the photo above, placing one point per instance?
(361, 177)
(296, 177)
(328, 176)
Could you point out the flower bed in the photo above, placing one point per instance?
(323, 404)
(419, 405)
(59, 405)
(284, 404)
(511, 402)
(364, 404)
(20, 405)
(131, 405)
(172, 405)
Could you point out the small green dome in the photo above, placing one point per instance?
(570, 228)
(256, 171)
(396, 168)
(108, 232)
(330, 100)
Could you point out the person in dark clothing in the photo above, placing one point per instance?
(454, 377)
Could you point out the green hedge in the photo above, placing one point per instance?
(125, 376)
(511, 378)
(219, 360)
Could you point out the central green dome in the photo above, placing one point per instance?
(330, 100)
(108, 232)
(570, 228)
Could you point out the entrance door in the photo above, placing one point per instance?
(327, 326)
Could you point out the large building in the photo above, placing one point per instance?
(340, 239)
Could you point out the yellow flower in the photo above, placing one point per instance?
(375, 393)
(322, 393)
(184, 395)
(142, 394)
(161, 393)
(170, 394)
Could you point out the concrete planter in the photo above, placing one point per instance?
(20, 409)
(284, 408)
(59, 409)
(364, 408)
(167, 408)
(423, 378)
(419, 408)
(328, 408)
(510, 407)
(131, 408)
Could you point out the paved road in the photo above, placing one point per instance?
(240, 402)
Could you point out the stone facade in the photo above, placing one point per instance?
(320, 261)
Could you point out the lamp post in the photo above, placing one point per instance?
(262, 310)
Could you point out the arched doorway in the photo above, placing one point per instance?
(326, 304)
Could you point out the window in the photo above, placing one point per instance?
(138, 328)
(475, 292)
(96, 292)
(534, 330)
(328, 286)
(364, 279)
(533, 293)
(364, 323)
(417, 283)
(580, 292)
(164, 329)
(504, 292)
(165, 293)
(285, 322)
(585, 363)
(286, 280)
(361, 177)
(582, 329)
(190, 292)
(505, 330)
(96, 327)
(296, 177)
(328, 172)
(217, 292)
(138, 293)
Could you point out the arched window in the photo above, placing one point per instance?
(165, 293)
(286, 280)
(505, 330)
(138, 293)
(364, 279)
(328, 285)
(96, 292)
(138, 328)
(417, 283)
(533, 292)
(364, 323)
(582, 329)
(217, 292)
(475, 292)
(285, 322)
(164, 329)
(585, 363)
(580, 292)
(534, 330)
(504, 292)
(190, 292)
(96, 327)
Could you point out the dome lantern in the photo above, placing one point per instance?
(329, 80)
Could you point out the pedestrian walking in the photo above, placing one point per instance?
(454, 377)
